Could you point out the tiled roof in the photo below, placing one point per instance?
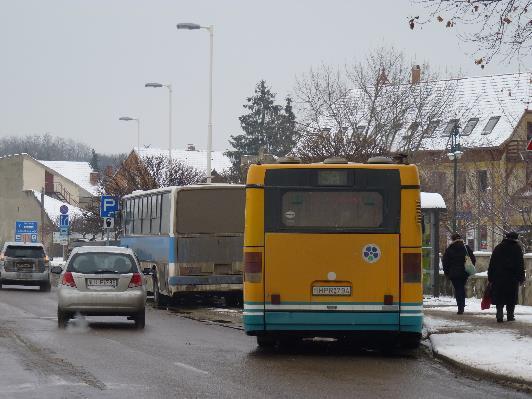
(78, 172)
(195, 158)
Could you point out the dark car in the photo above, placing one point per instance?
(24, 264)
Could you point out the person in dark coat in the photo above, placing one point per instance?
(454, 268)
(506, 271)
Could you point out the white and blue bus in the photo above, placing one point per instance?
(190, 237)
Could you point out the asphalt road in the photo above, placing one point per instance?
(177, 357)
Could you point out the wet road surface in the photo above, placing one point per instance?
(176, 357)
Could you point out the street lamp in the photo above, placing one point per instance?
(210, 29)
(129, 119)
(454, 155)
(169, 87)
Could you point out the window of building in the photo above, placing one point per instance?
(491, 124)
(430, 130)
(482, 176)
(470, 125)
(450, 127)
(461, 182)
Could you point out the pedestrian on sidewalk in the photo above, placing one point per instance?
(506, 271)
(453, 262)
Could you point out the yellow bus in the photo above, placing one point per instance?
(333, 249)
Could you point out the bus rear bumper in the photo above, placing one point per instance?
(257, 322)
(213, 283)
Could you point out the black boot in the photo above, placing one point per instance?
(500, 314)
(460, 310)
(510, 312)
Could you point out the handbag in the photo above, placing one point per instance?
(486, 298)
(469, 266)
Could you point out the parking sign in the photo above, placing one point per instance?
(108, 206)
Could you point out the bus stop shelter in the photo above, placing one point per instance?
(432, 206)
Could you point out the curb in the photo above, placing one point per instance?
(515, 382)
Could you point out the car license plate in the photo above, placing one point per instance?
(331, 291)
(101, 282)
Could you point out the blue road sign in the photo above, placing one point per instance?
(108, 206)
(63, 230)
(24, 227)
(63, 220)
(63, 209)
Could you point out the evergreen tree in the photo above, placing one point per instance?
(268, 128)
(94, 160)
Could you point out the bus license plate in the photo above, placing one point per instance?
(101, 282)
(331, 291)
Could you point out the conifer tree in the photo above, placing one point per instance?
(268, 128)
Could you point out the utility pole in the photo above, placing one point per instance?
(42, 215)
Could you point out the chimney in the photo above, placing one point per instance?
(94, 176)
(191, 147)
(416, 74)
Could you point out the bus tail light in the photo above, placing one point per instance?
(388, 299)
(412, 268)
(253, 267)
(68, 279)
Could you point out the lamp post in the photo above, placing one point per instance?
(129, 119)
(169, 87)
(454, 155)
(210, 29)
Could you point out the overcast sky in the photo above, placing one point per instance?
(73, 67)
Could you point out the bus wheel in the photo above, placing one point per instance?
(265, 341)
(410, 341)
(159, 299)
(234, 299)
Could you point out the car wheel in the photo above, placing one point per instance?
(140, 319)
(62, 318)
(46, 287)
(159, 299)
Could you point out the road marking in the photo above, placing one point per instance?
(191, 368)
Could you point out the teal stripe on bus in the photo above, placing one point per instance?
(332, 318)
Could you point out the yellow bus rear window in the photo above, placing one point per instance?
(341, 209)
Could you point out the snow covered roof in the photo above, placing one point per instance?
(195, 158)
(78, 172)
(52, 205)
(488, 108)
(432, 201)
(505, 97)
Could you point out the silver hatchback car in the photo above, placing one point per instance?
(103, 281)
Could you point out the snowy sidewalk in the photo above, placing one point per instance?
(477, 342)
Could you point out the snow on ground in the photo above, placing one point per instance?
(523, 313)
(495, 350)
(501, 352)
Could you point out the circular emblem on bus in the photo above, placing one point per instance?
(371, 253)
(289, 214)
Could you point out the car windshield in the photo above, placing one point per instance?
(102, 263)
(24, 251)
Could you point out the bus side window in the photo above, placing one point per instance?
(155, 223)
(136, 216)
(165, 214)
(146, 217)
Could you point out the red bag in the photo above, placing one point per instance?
(486, 299)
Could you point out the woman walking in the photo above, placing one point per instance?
(506, 271)
(454, 268)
